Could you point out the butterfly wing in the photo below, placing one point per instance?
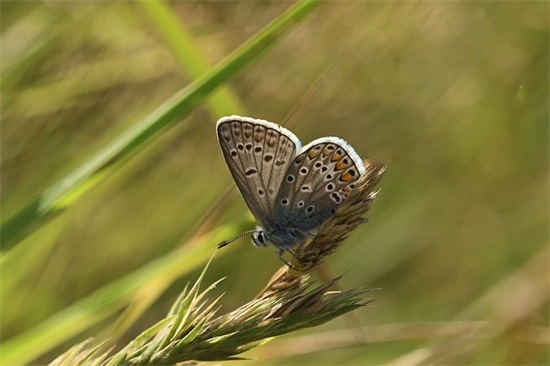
(258, 153)
(317, 181)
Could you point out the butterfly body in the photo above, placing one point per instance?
(290, 190)
(280, 236)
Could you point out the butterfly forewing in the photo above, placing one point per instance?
(258, 153)
(317, 182)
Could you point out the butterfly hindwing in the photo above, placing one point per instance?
(258, 154)
(317, 182)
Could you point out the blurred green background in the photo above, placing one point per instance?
(453, 95)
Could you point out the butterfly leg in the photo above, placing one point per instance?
(280, 255)
(292, 254)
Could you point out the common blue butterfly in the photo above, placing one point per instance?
(291, 190)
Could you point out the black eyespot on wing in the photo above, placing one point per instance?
(290, 178)
(310, 209)
(268, 158)
(304, 171)
(258, 149)
(250, 172)
(284, 201)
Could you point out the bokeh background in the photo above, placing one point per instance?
(453, 95)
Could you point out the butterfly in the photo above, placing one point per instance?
(291, 190)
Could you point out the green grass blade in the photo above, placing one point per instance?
(59, 196)
(181, 42)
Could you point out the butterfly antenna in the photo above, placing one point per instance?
(226, 242)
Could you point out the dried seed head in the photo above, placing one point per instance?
(348, 216)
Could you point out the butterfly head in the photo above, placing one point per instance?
(285, 238)
(259, 238)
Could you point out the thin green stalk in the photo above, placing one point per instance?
(221, 102)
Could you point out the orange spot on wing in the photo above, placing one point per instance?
(336, 156)
(271, 138)
(346, 177)
(341, 165)
(313, 154)
(258, 133)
